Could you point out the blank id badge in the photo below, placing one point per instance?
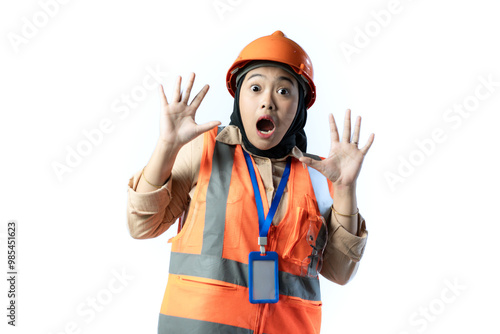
(263, 277)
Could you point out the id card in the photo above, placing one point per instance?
(263, 277)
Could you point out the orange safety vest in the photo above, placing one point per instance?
(207, 289)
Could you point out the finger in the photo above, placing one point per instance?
(163, 98)
(369, 143)
(334, 133)
(177, 90)
(357, 127)
(346, 135)
(202, 128)
(185, 97)
(199, 97)
(316, 164)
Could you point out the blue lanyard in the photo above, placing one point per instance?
(265, 223)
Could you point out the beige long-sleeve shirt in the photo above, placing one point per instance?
(151, 214)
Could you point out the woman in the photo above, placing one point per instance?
(246, 189)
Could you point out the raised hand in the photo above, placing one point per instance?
(343, 164)
(177, 120)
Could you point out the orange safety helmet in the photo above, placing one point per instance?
(276, 47)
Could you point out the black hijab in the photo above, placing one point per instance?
(295, 136)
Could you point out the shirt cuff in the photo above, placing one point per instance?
(353, 246)
(150, 202)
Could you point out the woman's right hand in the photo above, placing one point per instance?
(177, 119)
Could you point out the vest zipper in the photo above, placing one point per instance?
(263, 308)
(258, 320)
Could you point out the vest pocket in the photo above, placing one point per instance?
(306, 242)
(204, 283)
(295, 301)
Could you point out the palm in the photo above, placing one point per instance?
(178, 122)
(343, 164)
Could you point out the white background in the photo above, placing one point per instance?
(436, 226)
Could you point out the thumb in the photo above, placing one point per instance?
(202, 128)
(316, 164)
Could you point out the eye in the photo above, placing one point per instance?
(255, 88)
(283, 91)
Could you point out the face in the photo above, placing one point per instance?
(269, 98)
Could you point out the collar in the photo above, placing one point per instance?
(231, 135)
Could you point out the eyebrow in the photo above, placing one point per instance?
(280, 78)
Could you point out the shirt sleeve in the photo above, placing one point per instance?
(150, 214)
(343, 251)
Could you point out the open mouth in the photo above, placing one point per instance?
(265, 126)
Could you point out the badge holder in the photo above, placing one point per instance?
(263, 277)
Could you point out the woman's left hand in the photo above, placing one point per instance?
(344, 161)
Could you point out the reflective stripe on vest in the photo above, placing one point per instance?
(208, 281)
(237, 273)
(190, 326)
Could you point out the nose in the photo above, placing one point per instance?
(267, 102)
